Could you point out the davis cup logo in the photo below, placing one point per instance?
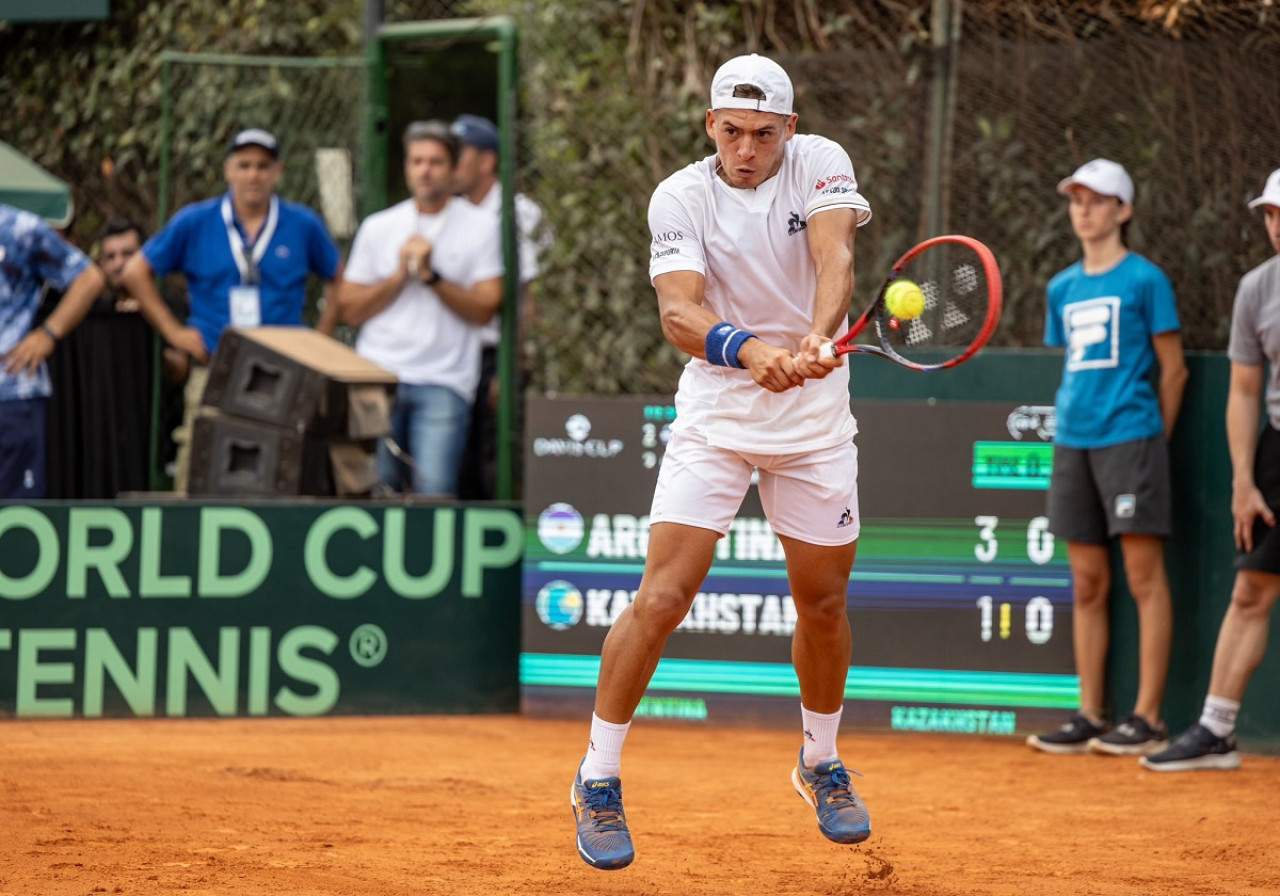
(559, 605)
(560, 528)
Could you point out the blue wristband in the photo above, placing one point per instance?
(723, 342)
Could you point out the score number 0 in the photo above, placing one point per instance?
(1039, 610)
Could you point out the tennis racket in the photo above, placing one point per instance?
(960, 282)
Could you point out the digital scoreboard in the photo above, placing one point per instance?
(960, 599)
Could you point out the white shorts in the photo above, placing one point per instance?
(811, 497)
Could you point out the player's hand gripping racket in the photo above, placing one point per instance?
(938, 306)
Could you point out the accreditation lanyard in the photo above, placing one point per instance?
(246, 299)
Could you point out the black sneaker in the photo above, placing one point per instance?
(1072, 737)
(1132, 737)
(1196, 748)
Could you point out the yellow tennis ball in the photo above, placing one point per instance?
(904, 300)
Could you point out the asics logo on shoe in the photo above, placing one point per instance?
(598, 785)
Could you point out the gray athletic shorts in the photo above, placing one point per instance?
(1096, 494)
(1265, 556)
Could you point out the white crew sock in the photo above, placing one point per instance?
(1219, 715)
(604, 752)
(819, 735)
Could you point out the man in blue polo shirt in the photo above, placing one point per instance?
(32, 255)
(246, 256)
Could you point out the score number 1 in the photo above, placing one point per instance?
(1039, 610)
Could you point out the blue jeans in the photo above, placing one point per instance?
(22, 452)
(430, 424)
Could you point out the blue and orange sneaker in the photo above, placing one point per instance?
(603, 839)
(842, 816)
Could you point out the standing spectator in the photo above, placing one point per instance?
(424, 276)
(476, 179)
(245, 255)
(1114, 312)
(33, 256)
(1255, 496)
(752, 263)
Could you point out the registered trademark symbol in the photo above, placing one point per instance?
(368, 645)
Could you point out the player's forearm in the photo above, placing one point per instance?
(831, 302)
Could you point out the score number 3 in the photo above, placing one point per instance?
(1039, 540)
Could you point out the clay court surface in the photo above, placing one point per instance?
(365, 806)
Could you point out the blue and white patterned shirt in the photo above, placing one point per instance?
(31, 255)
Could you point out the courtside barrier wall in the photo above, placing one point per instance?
(294, 608)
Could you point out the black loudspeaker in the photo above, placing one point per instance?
(232, 456)
(299, 379)
(289, 411)
(235, 456)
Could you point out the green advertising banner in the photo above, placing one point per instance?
(190, 609)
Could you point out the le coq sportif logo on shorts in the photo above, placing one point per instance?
(577, 442)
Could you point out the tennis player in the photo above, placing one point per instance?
(752, 262)
(1255, 495)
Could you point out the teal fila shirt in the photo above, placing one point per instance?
(1106, 323)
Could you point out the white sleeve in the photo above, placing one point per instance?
(361, 264)
(676, 244)
(484, 255)
(830, 171)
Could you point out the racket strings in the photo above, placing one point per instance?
(956, 304)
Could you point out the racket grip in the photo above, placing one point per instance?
(828, 350)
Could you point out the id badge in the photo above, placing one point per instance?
(246, 306)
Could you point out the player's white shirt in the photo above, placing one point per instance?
(751, 245)
(417, 337)
(531, 242)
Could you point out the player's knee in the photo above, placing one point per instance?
(661, 608)
(828, 610)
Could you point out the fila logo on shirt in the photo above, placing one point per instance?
(1093, 333)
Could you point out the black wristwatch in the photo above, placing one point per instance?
(433, 279)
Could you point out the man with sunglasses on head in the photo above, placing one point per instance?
(425, 276)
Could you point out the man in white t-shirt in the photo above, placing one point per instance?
(752, 262)
(423, 277)
(476, 179)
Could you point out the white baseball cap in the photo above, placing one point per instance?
(753, 71)
(1270, 193)
(1102, 176)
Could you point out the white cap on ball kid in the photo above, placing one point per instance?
(752, 82)
(1104, 177)
(1270, 193)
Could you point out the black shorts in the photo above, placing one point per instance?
(1096, 494)
(1265, 556)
